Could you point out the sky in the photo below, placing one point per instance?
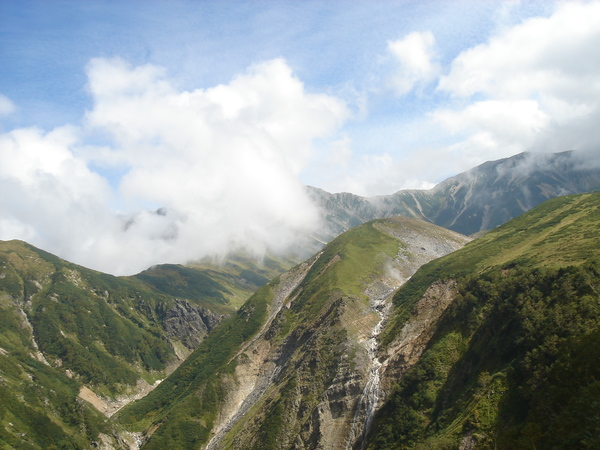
(135, 133)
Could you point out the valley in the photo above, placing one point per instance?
(396, 333)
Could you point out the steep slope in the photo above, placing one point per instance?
(477, 200)
(294, 366)
(495, 345)
(69, 334)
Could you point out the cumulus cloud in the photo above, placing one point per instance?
(416, 60)
(205, 171)
(534, 86)
(531, 86)
(50, 196)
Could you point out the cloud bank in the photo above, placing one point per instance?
(534, 86)
(183, 174)
(530, 86)
(155, 173)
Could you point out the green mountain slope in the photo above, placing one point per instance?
(511, 359)
(289, 366)
(71, 338)
(221, 286)
(494, 345)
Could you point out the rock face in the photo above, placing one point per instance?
(188, 323)
(408, 347)
(477, 200)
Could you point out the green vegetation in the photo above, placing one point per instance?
(308, 338)
(105, 332)
(195, 391)
(38, 404)
(39, 409)
(562, 231)
(184, 282)
(239, 276)
(174, 401)
(513, 362)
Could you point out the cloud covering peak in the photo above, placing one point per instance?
(219, 167)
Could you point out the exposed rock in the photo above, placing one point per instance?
(107, 406)
(188, 323)
(325, 375)
(405, 350)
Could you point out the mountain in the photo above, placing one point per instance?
(221, 286)
(510, 358)
(477, 200)
(69, 334)
(288, 367)
(493, 345)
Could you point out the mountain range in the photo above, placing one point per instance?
(398, 333)
(472, 351)
(477, 200)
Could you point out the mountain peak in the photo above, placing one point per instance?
(473, 201)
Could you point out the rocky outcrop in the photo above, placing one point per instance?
(408, 347)
(257, 363)
(189, 324)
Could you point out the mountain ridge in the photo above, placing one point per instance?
(453, 367)
(284, 339)
(77, 337)
(518, 293)
(476, 200)
(70, 335)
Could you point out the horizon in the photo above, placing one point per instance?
(218, 114)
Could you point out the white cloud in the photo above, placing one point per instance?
(222, 163)
(416, 58)
(556, 55)
(50, 197)
(495, 127)
(532, 86)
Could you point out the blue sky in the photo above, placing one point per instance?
(131, 103)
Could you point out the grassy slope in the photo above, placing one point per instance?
(221, 286)
(174, 397)
(514, 360)
(562, 231)
(62, 307)
(106, 332)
